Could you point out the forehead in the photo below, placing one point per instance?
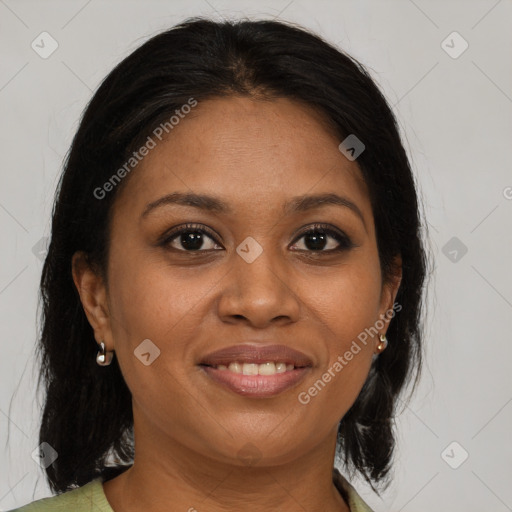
(252, 152)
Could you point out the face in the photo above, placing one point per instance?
(257, 268)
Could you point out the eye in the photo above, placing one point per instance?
(317, 239)
(192, 237)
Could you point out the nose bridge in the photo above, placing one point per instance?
(258, 269)
(258, 287)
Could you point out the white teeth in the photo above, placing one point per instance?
(268, 368)
(250, 369)
(235, 367)
(280, 367)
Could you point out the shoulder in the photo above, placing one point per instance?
(355, 502)
(88, 497)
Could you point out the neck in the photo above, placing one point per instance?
(192, 482)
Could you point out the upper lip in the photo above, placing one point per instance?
(257, 354)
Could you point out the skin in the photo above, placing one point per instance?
(188, 430)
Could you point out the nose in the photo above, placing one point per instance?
(259, 293)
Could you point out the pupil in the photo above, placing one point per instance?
(318, 240)
(192, 240)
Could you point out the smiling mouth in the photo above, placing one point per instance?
(251, 380)
(255, 370)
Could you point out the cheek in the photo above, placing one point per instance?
(348, 301)
(150, 314)
(346, 315)
(348, 358)
(164, 306)
(148, 299)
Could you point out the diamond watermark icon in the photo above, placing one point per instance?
(44, 45)
(454, 455)
(147, 352)
(454, 249)
(454, 45)
(351, 147)
(249, 454)
(40, 249)
(45, 455)
(249, 249)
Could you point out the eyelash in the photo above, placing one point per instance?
(344, 241)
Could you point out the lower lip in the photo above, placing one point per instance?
(256, 386)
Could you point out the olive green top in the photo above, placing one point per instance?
(91, 498)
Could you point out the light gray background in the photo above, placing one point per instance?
(455, 115)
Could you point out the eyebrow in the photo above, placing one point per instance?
(215, 205)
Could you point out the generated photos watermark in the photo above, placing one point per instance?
(137, 156)
(304, 397)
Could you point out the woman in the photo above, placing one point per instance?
(235, 238)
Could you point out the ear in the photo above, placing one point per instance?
(93, 296)
(389, 292)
